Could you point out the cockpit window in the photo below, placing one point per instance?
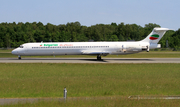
(21, 46)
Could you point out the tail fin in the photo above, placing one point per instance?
(155, 35)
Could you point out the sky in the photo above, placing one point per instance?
(165, 13)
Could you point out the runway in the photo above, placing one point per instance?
(90, 60)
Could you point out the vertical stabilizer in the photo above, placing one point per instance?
(155, 36)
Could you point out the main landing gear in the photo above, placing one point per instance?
(98, 57)
(19, 57)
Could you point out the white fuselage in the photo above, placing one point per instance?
(92, 48)
(80, 48)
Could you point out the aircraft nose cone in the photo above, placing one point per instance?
(14, 52)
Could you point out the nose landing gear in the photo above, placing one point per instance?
(19, 57)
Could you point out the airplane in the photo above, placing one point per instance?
(92, 48)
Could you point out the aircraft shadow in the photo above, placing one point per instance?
(84, 59)
(60, 59)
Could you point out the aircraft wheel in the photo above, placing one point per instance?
(19, 57)
(98, 57)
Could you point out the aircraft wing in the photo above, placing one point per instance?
(95, 53)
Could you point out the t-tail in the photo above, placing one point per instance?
(154, 37)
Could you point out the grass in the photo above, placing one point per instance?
(5, 50)
(92, 80)
(87, 80)
(99, 82)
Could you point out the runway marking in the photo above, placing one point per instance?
(154, 97)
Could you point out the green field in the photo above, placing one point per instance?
(6, 53)
(91, 80)
(97, 82)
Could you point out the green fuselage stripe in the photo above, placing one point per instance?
(50, 45)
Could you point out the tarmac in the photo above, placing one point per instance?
(13, 101)
(90, 60)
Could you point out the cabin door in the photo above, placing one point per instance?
(124, 48)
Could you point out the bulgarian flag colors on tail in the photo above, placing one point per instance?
(154, 37)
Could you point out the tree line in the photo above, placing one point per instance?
(12, 35)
